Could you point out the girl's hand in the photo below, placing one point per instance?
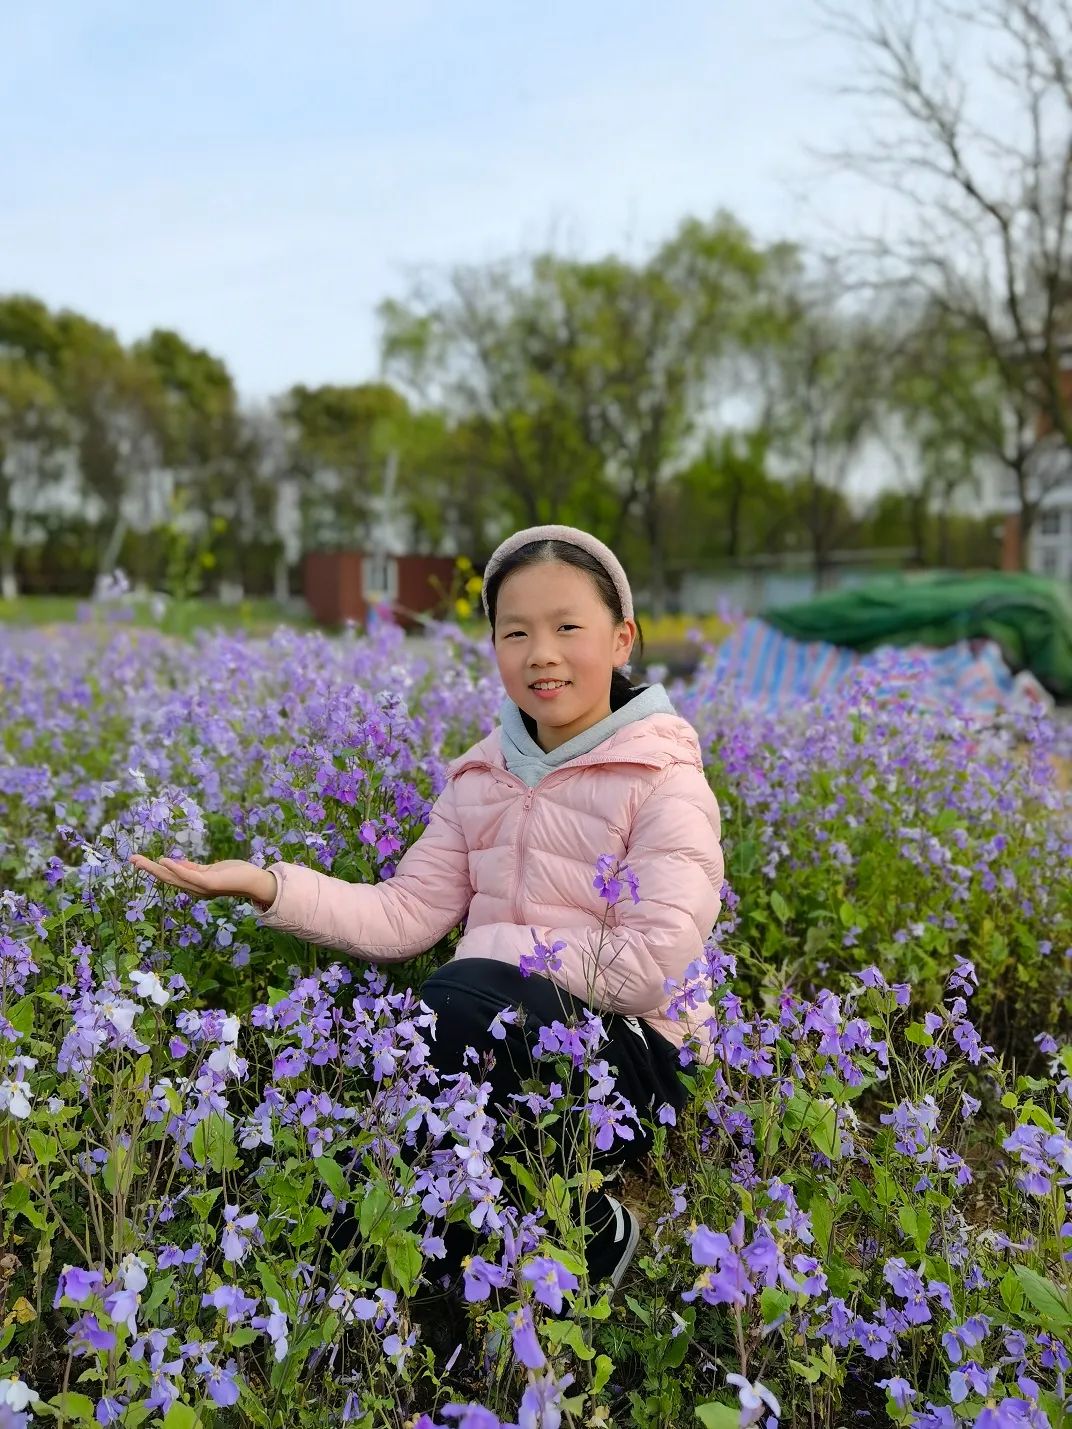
(230, 878)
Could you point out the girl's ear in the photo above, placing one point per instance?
(625, 636)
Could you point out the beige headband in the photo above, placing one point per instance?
(574, 537)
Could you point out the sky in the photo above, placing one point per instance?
(260, 177)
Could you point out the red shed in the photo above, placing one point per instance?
(343, 585)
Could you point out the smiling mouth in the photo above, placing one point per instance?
(539, 686)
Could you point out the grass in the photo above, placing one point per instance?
(260, 617)
(257, 617)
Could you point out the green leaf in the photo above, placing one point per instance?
(271, 1285)
(21, 1016)
(568, 1332)
(642, 1313)
(558, 1201)
(719, 1416)
(18, 1200)
(78, 1407)
(372, 1218)
(333, 1178)
(824, 1132)
(916, 1224)
(780, 906)
(917, 1033)
(886, 1188)
(810, 1371)
(773, 1303)
(46, 1148)
(523, 1176)
(203, 1202)
(1044, 1295)
(311, 1221)
(1012, 1292)
(565, 1258)
(181, 1416)
(214, 1144)
(116, 1168)
(822, 1221)
(603, 1369)
(160, 1291)
(405, 1260)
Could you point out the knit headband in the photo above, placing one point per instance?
(573, 537)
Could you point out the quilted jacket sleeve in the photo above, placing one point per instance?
(388, 921)
(675, 852)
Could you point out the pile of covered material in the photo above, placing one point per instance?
(998, 621)
(774, 672)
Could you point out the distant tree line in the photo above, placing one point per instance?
(707, 404)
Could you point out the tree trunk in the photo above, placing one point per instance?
(9, 581)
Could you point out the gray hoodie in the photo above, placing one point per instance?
(529, 762)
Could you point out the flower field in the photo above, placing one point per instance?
(864, 1213)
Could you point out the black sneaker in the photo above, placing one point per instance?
(613, 1245)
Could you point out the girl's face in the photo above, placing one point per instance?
(552, 626)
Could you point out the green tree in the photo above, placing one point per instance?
(990, 242)
(31, 436)
(824, 375)
(112, 400)
(341, 438)
(587, 380)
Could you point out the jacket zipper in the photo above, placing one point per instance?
(530, 795)
(522, 830)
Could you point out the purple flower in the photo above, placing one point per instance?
(479, 1276)
(899, 1390)
(549, 1279)
(77, 1285)
(221, 1382)
(108, 1410)
(874, 1339)
(1009, 1414)
(469, 1416)
(972, 1379)
(230, 1299)
(523, 1336)
(540, 1406)
(542, 959)
(86, 1333)
(755, 1400)
(497, 1026)
(274, 1325)
(233, 1243)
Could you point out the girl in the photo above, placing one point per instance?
(584, 764)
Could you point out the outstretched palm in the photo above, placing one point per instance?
(229, 878)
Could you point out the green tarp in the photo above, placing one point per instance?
(1030, 618)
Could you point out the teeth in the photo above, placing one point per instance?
(550, 684)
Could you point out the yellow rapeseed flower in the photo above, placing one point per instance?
(462, 608)
(464, 563)
(474, 585)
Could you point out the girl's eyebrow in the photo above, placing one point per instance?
(520, 619)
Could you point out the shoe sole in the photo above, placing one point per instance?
(631, 1244)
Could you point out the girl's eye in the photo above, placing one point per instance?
(561, 627)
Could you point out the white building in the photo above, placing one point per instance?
(1049, 546)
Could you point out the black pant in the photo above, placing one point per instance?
(467, 994)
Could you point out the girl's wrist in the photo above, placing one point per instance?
(263, 888)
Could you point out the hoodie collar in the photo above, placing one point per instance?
(524, 757)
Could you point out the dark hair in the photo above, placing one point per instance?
(622, 688)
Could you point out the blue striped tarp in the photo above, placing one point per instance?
(772, 671)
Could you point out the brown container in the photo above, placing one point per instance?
(344, 585)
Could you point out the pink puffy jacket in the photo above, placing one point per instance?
(516, 859)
